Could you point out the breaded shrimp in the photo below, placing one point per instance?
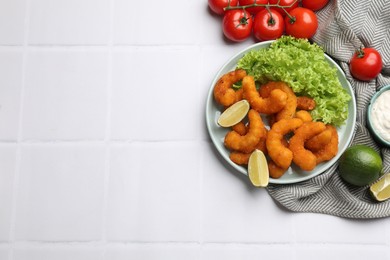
(240, 128)
(224, 94)
(305, 103)
(304, 115)
(279, 153)
(241, 158)
(270, 105)
(247, 143)
(319, 141)
(330, 150)
(289, 109)
(304, 158)
(275, 171)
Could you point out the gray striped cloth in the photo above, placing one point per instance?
(344, 26)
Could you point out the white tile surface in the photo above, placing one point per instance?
(234, 211)
(329, 229)
(357, 252)
(154, 192)
(11, 65)
(153, 252)
(104, 151)
(74, 105)
(7, 178)
(12, 22)
(4, 253)
(142, 104)
(58, 253)
(153, 22)
(71, 22)
(60, 194)
(240, 251)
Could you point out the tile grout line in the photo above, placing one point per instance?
(108, 128)
(20, 134)
(201, 167)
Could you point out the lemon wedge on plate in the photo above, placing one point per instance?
(234, 114)
(258, 169)
(380, 189)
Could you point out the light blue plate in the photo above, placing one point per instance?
(294, 174)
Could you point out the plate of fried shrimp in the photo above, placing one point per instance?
(291, 125)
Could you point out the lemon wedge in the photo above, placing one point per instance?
(380, 189)
(234, 114)
(258, 169)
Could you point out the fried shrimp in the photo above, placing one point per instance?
(275, 171)
(240, 158)
(224, 94)
(305, 103)
(319, 141)
(304, 158)
(330, 150)
(279, 153)
(304, 115)
(243, 158)
(240, 128)
(247, 143)
(274, 103)
(289, 109)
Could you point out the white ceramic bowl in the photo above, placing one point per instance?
(370, 126)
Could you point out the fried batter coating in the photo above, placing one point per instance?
(274, 103)
(275, 171)
(304, 115)
(247, 143)
(319, 141)
(240, 128)
(305, 103)
(330, 150)
(289, 109)
(240, 158)
(243, 158)
(279, 153)
(304, 158)
(224, 94)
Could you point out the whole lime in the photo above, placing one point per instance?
(360, 165)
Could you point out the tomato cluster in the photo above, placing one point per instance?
(267, 19)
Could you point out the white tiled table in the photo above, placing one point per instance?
(104, 152)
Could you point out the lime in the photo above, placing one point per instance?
(258, 169)
(380, 190)
(360, 165)
(234, 114)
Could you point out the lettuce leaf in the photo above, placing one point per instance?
(303, 66)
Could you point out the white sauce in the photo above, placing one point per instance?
(380, 115)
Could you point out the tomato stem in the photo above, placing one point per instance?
(292, 19)
(271, 20)
(360, 52)
(243, 20)
(263, 5)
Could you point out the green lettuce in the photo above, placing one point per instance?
(303, 66)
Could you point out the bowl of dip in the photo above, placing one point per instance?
(378, 116)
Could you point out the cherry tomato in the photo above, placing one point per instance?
(293, 3)
(237, 25)
(217, 6)
(253, 10)
(268, 25)
(314, 5)
(303, 23)
(365, 64)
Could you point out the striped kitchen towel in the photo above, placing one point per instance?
(344, 26)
